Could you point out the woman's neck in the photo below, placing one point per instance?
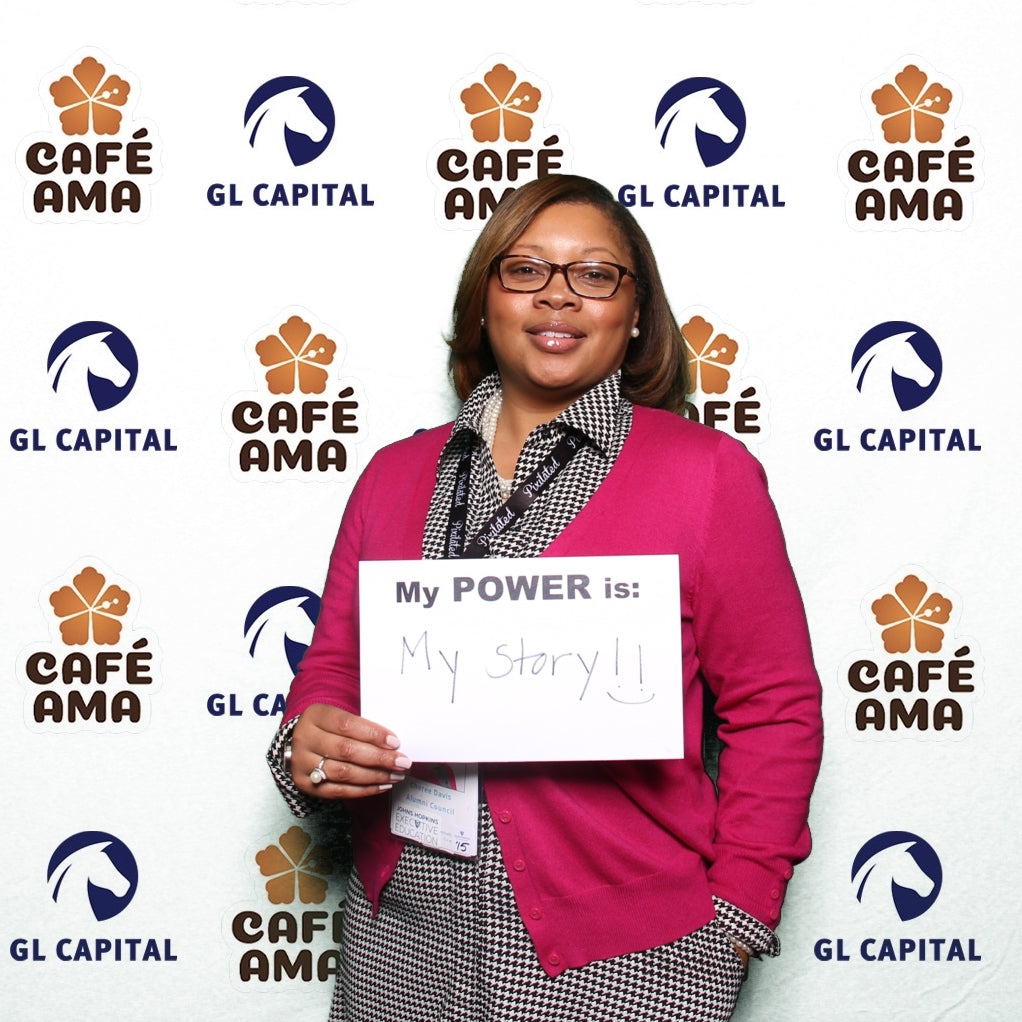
(516, 421)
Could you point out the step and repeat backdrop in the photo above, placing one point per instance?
(214, 220)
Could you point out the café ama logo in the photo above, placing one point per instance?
(920, 680)
(301, 426)
(507, 144)
(297, 936)
(98, 672)
(720, 396)
(97, 162)
(921, 168)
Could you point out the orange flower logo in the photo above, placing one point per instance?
(90, 97)
(295, 358)
(908, 110)
(707, 356)
(89, 606)
(499, 108)
(911, 617)
(295, 867)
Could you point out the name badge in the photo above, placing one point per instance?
(438, 807)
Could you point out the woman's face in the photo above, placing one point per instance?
(551, 346)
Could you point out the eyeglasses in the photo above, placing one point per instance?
(587, 279)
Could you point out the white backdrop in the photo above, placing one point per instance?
(215, 569)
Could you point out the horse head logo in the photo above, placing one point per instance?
(899, 360)
(282, 620)
(706, 111)
(93, 871)
(95, 362)
(290, 112)
(897, 868)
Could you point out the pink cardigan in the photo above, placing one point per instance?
(613, 857)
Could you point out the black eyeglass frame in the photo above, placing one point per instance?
(563, 267)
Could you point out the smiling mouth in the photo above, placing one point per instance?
(551, 338)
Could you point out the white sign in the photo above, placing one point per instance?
(524, 659)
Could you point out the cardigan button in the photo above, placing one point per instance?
(505, 817)
(518, 865)
(788, 873)
(554, 959)
(534, 913)
(775, 894)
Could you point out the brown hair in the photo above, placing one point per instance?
(655, 369)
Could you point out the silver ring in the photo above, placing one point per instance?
(318, 775)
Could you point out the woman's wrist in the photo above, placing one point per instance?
(288, 746)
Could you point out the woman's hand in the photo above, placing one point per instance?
(355, 756)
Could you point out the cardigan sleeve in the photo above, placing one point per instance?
(329, 671)
(300, 804)
(383, 520)
(755, 656)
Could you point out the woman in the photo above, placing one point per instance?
(615, 890)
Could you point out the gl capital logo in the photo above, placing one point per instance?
(897, 360)
(897, 869)
(704, 112)
(281, 621)
(93, 872)
(292, 115)
(93, 362)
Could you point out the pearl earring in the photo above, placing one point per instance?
(635, 331)
(482, 321)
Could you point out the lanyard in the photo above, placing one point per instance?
(512, 509)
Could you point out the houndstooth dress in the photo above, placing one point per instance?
(448, 943)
